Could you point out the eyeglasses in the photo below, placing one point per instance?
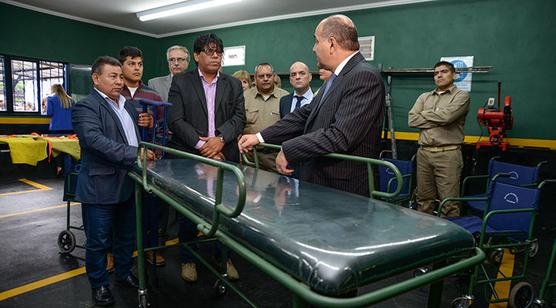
(210, 52)
(180, 60)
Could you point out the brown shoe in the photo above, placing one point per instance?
(189, 272)
(110, 262)
(158, 260)
(231, 271)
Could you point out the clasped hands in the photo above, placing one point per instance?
(212, 148)
(246, 144)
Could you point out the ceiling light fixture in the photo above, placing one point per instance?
(181, 8)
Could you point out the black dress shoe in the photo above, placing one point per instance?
(130, 282)
(102, 296)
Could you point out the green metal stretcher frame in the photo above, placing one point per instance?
(303, 295)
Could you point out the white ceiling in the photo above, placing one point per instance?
(120, 14)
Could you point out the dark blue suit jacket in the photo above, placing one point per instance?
(285, 105)
(106, 156)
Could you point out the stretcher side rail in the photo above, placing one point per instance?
(303, 293)
(365, 160)
(220, 208)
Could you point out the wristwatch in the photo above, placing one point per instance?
(221, 139)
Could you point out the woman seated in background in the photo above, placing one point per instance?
(58, 108)
(244, 77)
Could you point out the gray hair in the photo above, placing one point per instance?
(177, 47)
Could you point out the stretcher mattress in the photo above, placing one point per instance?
(330, 240)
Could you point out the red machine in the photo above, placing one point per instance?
(497, 121)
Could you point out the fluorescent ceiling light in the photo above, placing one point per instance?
(181, 8)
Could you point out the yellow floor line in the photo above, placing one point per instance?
(38, 186)
(506, 270)
(51, 280)
(21, 192)
(41, 283)
(37, 210)
(34, 184)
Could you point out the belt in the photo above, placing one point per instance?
(441, 149)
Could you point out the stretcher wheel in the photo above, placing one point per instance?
(461, 302)
(521, 295)
(534, 248)
(66, 241)
(496, 256)
(219, 287)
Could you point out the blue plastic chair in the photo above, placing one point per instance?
(388, 183)
(517, 175)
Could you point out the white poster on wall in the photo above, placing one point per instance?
(234, 55)
(464, 66)
(367, 47)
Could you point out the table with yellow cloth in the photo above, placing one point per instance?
(30, 149)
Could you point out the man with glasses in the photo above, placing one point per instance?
(178, 61)
(206, 117)
(262, 109)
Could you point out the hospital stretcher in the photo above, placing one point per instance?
(316, 241)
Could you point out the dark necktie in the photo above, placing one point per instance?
(328, 84)
(298, 102)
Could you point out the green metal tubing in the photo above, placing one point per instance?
(459, 199)
(471, 177)
(546, 280)
(370, 174)
(240, 178)
(304, 291)
(223, 279)
(139, 233)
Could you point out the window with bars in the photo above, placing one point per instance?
(30, 80)
(3, 102)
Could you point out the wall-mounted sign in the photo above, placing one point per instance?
(367, 47)
(234, 55)
(464, 66)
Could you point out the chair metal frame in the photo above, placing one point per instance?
(487, 242)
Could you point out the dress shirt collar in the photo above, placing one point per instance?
(120, 103)
(343, 64)
(449, 90)
(205, 80)
(307, 95)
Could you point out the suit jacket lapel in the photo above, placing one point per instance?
(220, 88)
(198, 86)
(337, 83)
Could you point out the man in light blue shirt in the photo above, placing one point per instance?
(300, 78)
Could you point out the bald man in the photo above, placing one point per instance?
(345, 117)
(300, 78)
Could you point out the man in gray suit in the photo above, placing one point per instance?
(178, 61)
(345, 116)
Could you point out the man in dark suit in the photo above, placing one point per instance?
(345, 116)
(106, 126)
(300, 79)
(206, 117)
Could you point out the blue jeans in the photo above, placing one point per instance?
(108, 226)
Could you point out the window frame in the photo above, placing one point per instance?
(8, 83)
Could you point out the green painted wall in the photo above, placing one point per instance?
(37, 35)
(514, 36)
